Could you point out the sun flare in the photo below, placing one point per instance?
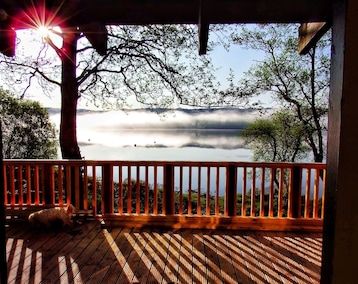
(43, 31)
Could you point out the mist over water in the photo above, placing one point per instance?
(180, 135)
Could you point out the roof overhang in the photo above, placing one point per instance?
(20, 14)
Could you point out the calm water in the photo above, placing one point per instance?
(179, 136)
(166, 145)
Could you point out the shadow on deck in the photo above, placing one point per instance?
(91, 253)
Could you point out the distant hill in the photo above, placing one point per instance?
(181, 118)
(54, 111)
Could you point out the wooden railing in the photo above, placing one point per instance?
(246, 195)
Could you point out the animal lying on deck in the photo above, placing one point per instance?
(53, 218)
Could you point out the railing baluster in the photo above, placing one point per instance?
(137, 191)
(280, 193)
(208, 213)
(12, 184)
(315, 194)
(308, 193)
(155, 194)
(28, 184)
(20, 185)
(198, 210)
(129, 190)
(85, 188)
(94, 191)
(217, 191)
(180, 189)
(146, 198)
(4, 168)
(272, 191)
(253, 192)
(262, 193)
(244, 189)
(77, 187)
(68, 185)
(120, 190)
(189, 191)
(60, 184)
(323, 192)
(37, 185)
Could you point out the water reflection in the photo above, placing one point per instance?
(154, 138)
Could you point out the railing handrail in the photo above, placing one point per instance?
(163, 162)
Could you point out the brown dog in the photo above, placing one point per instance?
(53, 218)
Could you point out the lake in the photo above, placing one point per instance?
(180, 135)
(183, 145)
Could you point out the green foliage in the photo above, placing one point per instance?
(277, 139)
(299, 84)
(27, 131)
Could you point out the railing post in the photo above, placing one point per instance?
(107, 189)
(74, 190)
(230, 194)
(296, 192)
(48, 186)
(168, 190)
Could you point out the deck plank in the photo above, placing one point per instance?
(100, 260)
(185, 268)
(225, 260)
(212, 259)
(120, 267)
(172, 260)
(91, 253)
(109, 268)
(66, 249)
(163, 243)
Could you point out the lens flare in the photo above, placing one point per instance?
(43, 31)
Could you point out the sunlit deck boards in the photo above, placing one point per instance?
(90, 253)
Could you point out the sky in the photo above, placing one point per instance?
(237, 59)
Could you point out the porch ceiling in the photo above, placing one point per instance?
(81, 12)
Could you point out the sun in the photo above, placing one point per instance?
(43, 31)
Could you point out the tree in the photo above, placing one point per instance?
(277, 139)
(299, 84)
(27, 131)
(158, 65)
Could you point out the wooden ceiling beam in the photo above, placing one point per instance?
(141, 12)
(203, 26)
(97, 35)
(309, 35)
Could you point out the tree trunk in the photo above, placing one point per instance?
(69, 97)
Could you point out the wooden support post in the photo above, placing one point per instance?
(107, 189)
(230, 196)
(295, 200)
(3, 262)
(340, 246)
(168, 198)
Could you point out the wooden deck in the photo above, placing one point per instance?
(91, 253)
